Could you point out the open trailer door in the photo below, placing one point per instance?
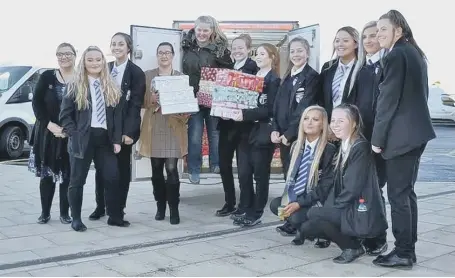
(145, 43)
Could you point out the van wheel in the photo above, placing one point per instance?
(12, 142)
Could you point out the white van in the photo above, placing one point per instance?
(17, 84)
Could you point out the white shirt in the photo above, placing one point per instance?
(347, 71)
(121, 71)
(297, 71)
(311, 144)
(262, 73)
(373, 58)
(95, 122)
(239, 65)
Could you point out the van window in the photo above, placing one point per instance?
(25, 92)
(9, 75)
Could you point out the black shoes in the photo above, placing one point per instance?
(43, 219)
(376, 250)
(349, 255)
(286, 229)
(237, 213)
(226, 210)
(65, 219)
(393, 260)
(78, 226)
(97, 214)
(322, 243)
(118, 222)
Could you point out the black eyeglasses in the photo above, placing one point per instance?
(66, 54)
(167, 53)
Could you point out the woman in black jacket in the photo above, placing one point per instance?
(234, 135)
(296, 93)
(310, 176)
(49, 157)
(203, 46)
(261, 149)
(353, 209)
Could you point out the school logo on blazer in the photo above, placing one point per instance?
(263, 99)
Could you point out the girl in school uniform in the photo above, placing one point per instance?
(234, 135)
(91, 116)
(364, 95)
(164, 139)
(297, 91)
(335, 78)
(49, 158)
(260, 147)
(131, 80)
(353, 209)
(310, 176)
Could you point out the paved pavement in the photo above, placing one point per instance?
(202, 245)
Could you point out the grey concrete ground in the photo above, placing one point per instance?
(204, 245)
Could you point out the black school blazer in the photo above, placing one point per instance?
(133, 90)
(77, 124)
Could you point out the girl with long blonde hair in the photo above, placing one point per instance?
(203, 46)
(91, 116)
(310, 174)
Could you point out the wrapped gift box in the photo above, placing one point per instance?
(176, 96)
(232, 78)
(227, 102)
(206, 85)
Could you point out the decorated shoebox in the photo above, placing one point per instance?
(175, 95)
(233, 92)
(206, 85)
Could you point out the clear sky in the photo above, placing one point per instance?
(31, 29)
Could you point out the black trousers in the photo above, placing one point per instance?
(232, 141)
(100, 150)
(402, 174)
(165, 189)
(381, 172)
(296, 219)
(325, 222)
(124, 169)
(285, 158)
(257, 168)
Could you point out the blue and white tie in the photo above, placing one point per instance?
(114, 72)
(99, 100)
(302, 174)
(336, 92)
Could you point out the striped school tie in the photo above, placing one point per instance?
(114, 72)
(336, 92)
(302, 174)
(99, 100)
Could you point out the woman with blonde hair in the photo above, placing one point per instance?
(364, 94)
(310, 174)
(353, 209)
(203, 46)
(91, 116)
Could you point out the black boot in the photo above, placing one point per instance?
(64, 204)
(75, 196)
(173, 199)
(159, 192)
(47, 190)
